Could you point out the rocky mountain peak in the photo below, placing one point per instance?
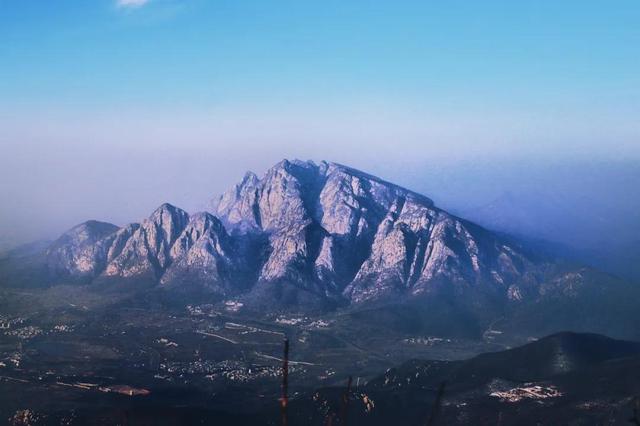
(89, 231)
(78, 252)
(147, 252)
(167, 216)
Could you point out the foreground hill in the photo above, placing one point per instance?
(566, 378)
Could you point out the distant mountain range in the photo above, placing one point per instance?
(598, 234)
(309, 236)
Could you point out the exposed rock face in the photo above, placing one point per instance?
(202, 255)
(147, 251)
(169, 247)
(305, 231)
(81, 251)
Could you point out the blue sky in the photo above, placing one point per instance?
(196, 53)
(137, 100)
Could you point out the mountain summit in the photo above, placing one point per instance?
(308, 234)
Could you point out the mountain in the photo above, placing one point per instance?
(309, 236)
(565, 378)
(305, 233)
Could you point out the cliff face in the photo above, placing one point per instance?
(304, 232)
(203, 255)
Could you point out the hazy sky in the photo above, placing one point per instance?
(108, 108)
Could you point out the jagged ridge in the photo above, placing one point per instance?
(305, 232)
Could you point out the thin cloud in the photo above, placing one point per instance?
(131, 3)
